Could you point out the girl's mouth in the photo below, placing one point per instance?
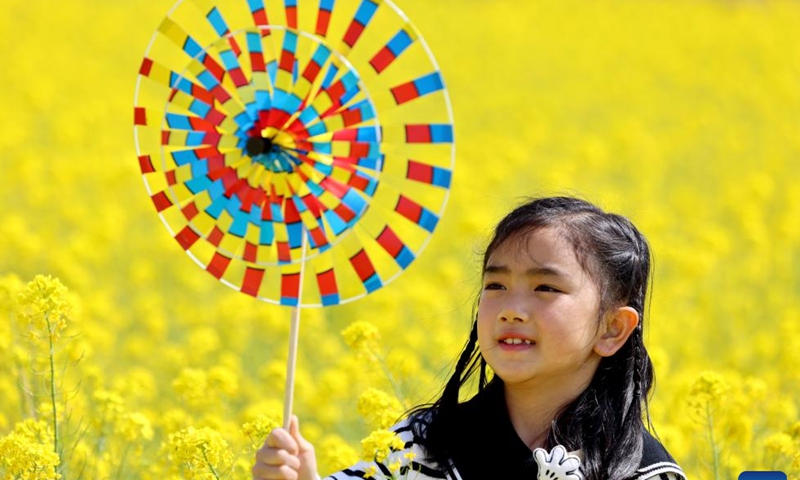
(513, 344)
(516, 341)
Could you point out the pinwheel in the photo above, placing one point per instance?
(299, 151)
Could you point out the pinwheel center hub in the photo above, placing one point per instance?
(270, 153)
(258, 146)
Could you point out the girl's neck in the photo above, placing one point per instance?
(532, 408)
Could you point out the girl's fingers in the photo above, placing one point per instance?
(276, 457)
(294, 430)
(268, 472)
(285, 455)
(281, 439)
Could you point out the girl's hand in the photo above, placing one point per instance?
(286, 456)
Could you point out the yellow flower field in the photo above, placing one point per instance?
(120, 359)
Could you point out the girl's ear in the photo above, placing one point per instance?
(617, 327)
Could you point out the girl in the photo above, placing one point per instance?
(560, 325)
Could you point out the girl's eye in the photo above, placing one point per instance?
(493, 286)
(546, 288)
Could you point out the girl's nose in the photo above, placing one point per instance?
(513, 311)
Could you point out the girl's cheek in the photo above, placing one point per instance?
(484, 305)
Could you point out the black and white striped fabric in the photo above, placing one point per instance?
(412, 463)
(486, 447)
(661, 471)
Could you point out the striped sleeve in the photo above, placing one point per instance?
(410, 459)
(661, 471)
(665, 476)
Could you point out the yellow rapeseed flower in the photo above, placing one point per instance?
(361, 336)
(201, 452)
(27, 453)
(394, 467)
(202, 341)
(192, 386)
(707, 391)
(21, 458)
(380, 409)
(45, 306)
(223, 381)
(371, 471)
(107, 404)
(10, 285)
(34, 430)
(780, 444)
(137, 383)
(258, 429)
(133, 426)
(794, 430)
(379, 444)
(175, 419)
(335, 454)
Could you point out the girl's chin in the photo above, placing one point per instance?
(512, 376)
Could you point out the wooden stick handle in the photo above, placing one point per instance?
(290, 367)
(294, 334)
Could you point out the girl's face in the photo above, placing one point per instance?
(538, 311)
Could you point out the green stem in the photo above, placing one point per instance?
(122, 461)
(53, 385)
(395, 387)
(213, 470)
(714, 451)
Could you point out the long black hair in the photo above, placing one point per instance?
(606, 420)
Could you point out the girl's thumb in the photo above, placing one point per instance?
(294, 430)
